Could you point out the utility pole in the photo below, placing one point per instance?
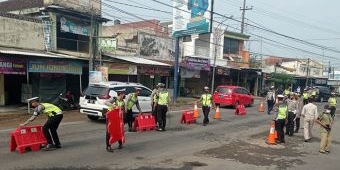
(329, 68)
(307, 72)
(91, 44)
(244, 9)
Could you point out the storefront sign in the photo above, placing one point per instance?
(12, 66)
(145, 70)
(123, 69)
(52, 66)
(196, 63)
(185, 73)
(108, 44)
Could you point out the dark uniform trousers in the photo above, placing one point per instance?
(129, 118)
(206, 110)
(154, 112)
(279, 125)
(290, 124)
(52, 125)
(161, 115)
(333, 111)
(297, 121)
(270, 105)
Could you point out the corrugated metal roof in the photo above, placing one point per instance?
(38, 54)
(139, 60)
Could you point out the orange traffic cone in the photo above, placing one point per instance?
(217, 113)
(196, 113)
(271, 136)
(261, 109)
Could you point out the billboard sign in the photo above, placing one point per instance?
(108, 44)
(54, 66)
(12, 66)
(191, 17)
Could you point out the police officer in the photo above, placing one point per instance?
(292, 109)
(163, 103)
(287, 91)
(55, 116)
(207, 101)
(112, 103)
(154, 101)
(333, 102)
(325, 122)
(314, 92)
(305, 96)
(132, 99)
(281, 111)
(300, 104)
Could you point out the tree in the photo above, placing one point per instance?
(281, 79)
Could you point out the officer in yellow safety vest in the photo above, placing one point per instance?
(305, 96)
(287, 91)
(207, 102)
(163, 104)
(281, 112)
(333, 102)
(112, 103)
(154, 100)
(132, 99)
(314, 93)
(55, 116)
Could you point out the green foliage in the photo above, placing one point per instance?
(281, 79)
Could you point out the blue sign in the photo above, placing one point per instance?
(53, 66)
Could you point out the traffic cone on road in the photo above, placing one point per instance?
(196, 113)
(261, 109)
(217, 113)
(271, 137)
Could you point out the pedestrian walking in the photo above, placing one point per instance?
(333, 102)
(55, 115)
(309, 114)
(270, 97)
(292, 109)
(132, 99)
(163, 104)
(207, 102)
(325, 121)
(300, 104)
(154, 100)
(116, 102)
(281, 111)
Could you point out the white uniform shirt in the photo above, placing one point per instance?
(310, 111)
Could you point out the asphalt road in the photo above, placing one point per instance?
(233, 142)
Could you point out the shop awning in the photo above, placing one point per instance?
(35, 53)
(139, 60)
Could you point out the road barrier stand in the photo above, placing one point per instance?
(240, 110)
(28, 137)
(115, 125)
(144, 122)
(188, 117)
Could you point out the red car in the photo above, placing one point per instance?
(232, 96)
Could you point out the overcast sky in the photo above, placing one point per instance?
(315, 21)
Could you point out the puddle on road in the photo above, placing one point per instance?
(256, 152)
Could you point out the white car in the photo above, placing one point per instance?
(92, 101)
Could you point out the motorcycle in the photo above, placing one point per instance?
(65, 103)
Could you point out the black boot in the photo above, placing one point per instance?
(109, 149)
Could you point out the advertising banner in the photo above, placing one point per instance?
(12, 66)
(108, 44)
(191, 17)
(123, 69)
(147, 70)
(185, 73)
(196, 63)
(67, 25)
(53, 66)
(95, 77)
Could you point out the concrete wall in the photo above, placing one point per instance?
(21, 34)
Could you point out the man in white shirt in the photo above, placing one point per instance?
(310, 114)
